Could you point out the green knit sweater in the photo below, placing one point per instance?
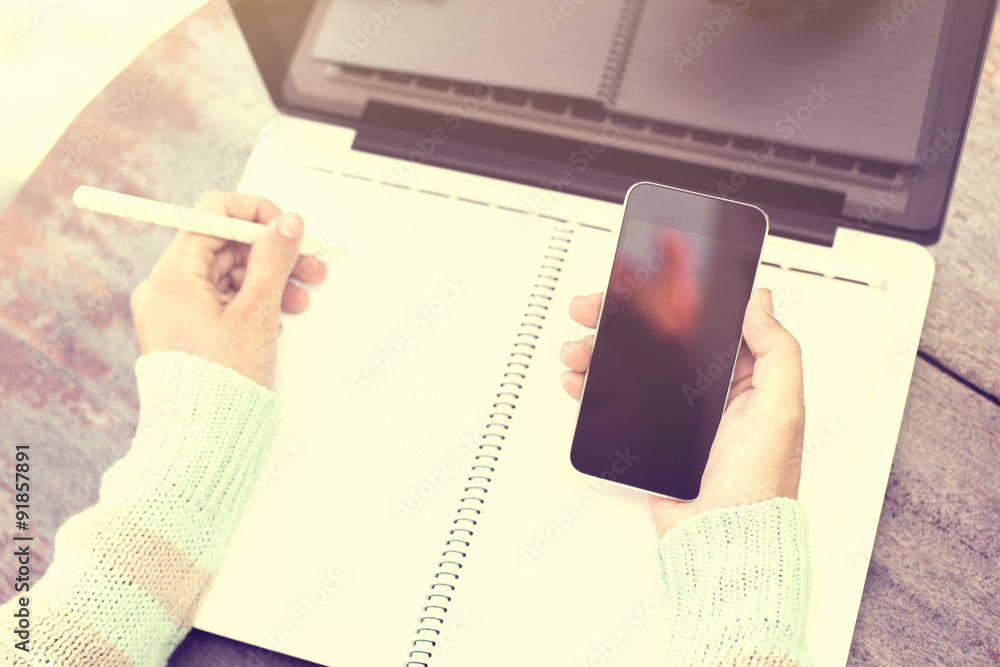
(129, 572)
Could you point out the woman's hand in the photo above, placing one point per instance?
(221, 300)
(757, 452)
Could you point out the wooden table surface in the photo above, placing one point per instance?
(186, 110)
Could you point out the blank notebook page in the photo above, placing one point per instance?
(755, 71)
(514, 43)
(382, 385)
(564, 570)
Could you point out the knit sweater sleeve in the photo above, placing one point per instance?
(128, 573)
(738, 584)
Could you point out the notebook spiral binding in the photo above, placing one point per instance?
(431, 623)
(620, 51)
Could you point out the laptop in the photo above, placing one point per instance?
(519, 124)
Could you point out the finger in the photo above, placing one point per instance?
(744, 362)
(225, 285)
(237, 276)
(777, 357)
(227, 258)
(238, 205)
(229, 204)
(229, 284)
(576, 354)
(295, 299)
(256, 209)
(192, 253)
(743, 373)
(270, 263)
(586, 309)
(309, 270)
(572, 382)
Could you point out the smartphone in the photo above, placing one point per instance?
(667, 339)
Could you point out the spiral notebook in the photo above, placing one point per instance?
(695, 64)
(416, 504)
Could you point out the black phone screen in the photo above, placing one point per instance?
(667, 340)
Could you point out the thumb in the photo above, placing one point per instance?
(271, 260)
(777, 356)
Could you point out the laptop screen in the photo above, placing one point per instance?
(826, 113)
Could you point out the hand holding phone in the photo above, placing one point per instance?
(667, 345)
(757, 452)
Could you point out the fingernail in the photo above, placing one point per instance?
(290, 226)
(768, 303)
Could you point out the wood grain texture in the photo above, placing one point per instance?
(177, 121)
(182, 118)
(73, 437)
(931, 597)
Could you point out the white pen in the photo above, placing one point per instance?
(180, 217)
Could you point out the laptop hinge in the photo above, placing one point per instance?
(466, 157)
(545, 173)
(800, 227)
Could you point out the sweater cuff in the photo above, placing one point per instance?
(202, 428)
(738, 584)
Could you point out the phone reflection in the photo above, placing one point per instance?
(656, 278)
